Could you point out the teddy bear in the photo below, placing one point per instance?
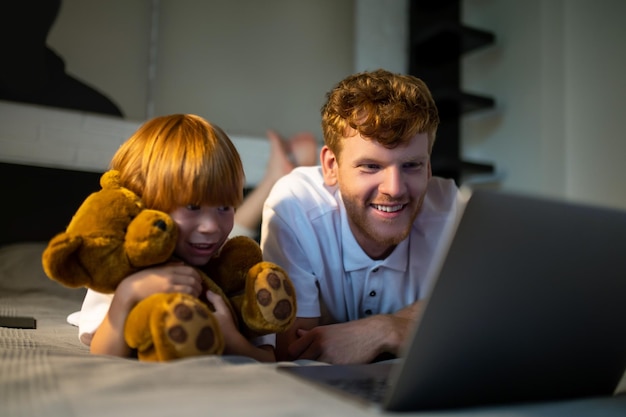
(113, 235)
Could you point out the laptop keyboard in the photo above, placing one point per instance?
(371, 389)
(368, 382)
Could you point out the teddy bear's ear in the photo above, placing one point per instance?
(61, 263)
(110, 179)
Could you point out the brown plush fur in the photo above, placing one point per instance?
(112, 235)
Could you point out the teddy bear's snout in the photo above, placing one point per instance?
(160, 224)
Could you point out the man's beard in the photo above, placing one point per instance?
(361, 223)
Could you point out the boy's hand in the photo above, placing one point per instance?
(168, 278)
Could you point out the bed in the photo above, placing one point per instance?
(46, 371)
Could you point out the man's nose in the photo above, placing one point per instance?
(393, 182)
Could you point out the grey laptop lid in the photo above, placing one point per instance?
(529, 305)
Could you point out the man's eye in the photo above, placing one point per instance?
(414, 165)
(370, 167)
(193, 207)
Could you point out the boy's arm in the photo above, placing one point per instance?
(172, 277)
(235, 342)
(109, 337)
(285, 339)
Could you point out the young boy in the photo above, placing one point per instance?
(189, 168)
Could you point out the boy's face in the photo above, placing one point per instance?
(382, 189)
(202, 230)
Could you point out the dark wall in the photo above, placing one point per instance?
(38, 202)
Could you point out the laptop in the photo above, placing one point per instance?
(529, 305)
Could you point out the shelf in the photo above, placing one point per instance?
(455, 168)
(459, 102)
(472, 102)
(445, 41)
(437, 40)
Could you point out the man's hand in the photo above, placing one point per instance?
(358, 341)
(336, 343)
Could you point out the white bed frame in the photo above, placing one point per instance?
(74, 140)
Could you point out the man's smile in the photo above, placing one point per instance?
(388, 209)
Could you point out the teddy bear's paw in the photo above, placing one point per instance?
(275, 296)
(191, 328)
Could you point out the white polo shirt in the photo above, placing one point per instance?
(305, 230)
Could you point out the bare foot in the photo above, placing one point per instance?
(303, 149)
(279, 161)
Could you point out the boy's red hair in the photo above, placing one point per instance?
(172, 161)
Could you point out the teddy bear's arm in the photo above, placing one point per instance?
(61, 262)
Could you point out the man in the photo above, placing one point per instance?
(359, 235)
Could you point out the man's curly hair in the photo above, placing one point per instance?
(382, 106)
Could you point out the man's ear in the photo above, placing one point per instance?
(329, 166)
